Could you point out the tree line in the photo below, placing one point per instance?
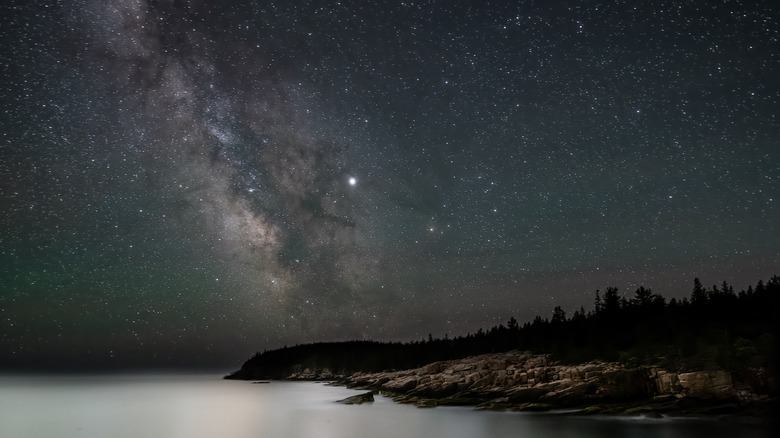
(715, 328)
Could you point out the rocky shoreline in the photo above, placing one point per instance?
(524, 381)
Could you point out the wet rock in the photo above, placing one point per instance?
(533, 407)
(426, 403)
(359, 399)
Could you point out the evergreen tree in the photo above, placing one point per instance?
(698, 294)
(597, 304)
(611, 300)
(558, 316)
(642, 296)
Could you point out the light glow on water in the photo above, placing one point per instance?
(206, 406)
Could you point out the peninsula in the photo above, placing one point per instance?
(713, 354)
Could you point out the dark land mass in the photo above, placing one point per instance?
(712, 354)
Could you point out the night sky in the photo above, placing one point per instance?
(183, 183)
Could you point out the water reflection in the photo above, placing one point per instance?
(205, 406)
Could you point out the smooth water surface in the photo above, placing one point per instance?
(189, 406)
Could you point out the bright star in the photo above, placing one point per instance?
(352, 181)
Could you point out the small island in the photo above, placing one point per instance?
(712, 354)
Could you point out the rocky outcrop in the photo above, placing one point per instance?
(359, 399)
(706, 384)
(525, 381)
(532, 382)
(300, 373)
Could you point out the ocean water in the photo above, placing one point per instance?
(200, 406)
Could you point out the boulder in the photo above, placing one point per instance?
(366, 397)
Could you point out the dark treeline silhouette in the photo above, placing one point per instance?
(715, 328)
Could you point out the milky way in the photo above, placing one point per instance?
(186, 182)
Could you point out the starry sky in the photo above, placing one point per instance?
(183, 183)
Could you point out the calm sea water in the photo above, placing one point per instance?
(206, 406)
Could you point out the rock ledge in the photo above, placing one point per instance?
(529, 382)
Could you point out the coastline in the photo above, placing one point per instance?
(522, 381)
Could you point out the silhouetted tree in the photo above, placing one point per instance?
(698, 294)
(642, 297)
(611, 301)
(598, 306)
(558, 316)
